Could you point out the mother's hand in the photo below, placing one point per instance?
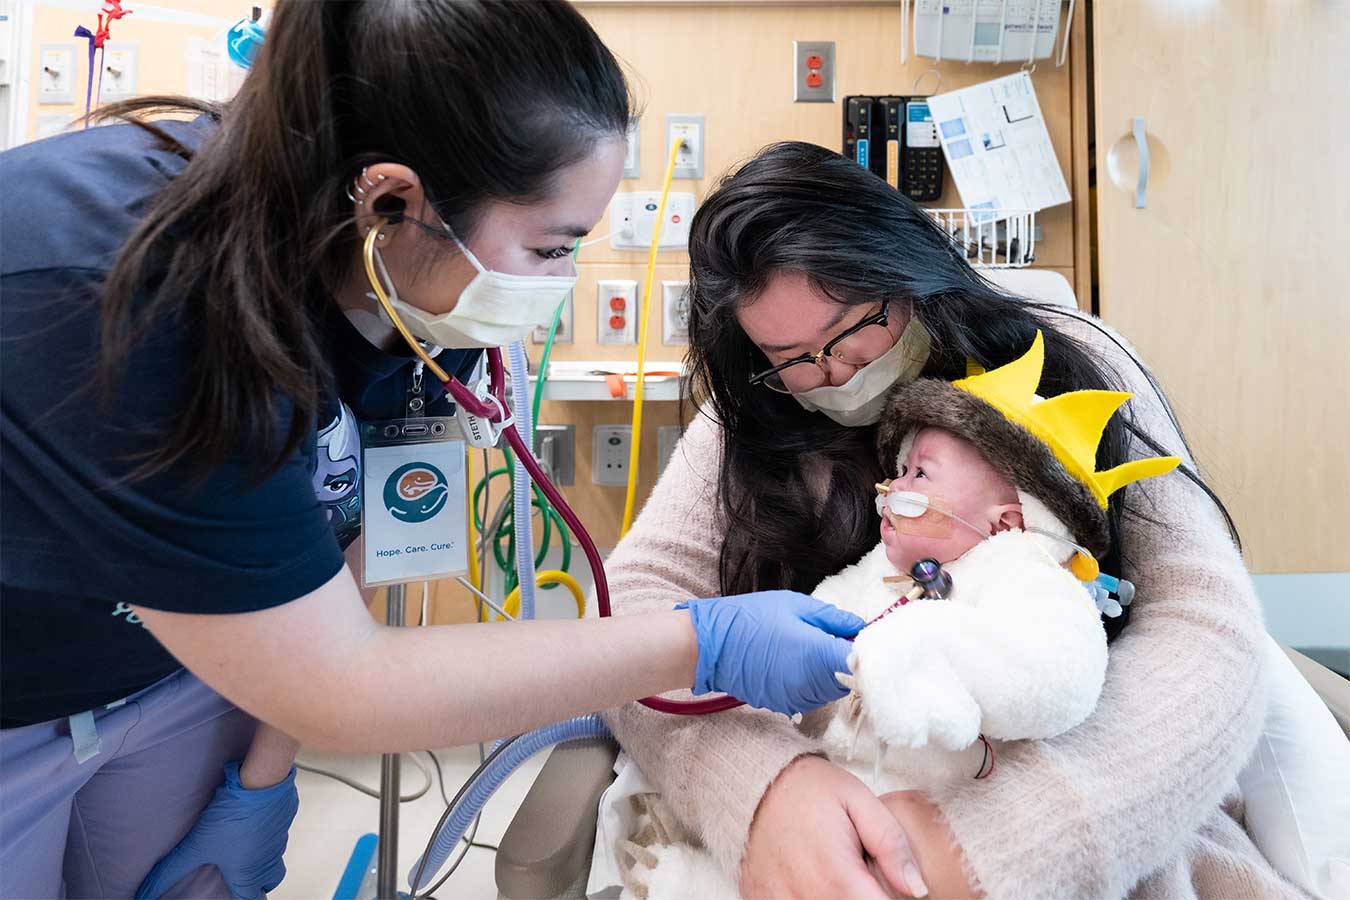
(811, 831)
(934, 846)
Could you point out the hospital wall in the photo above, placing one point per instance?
(732, 64)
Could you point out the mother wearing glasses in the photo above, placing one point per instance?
(815, 288)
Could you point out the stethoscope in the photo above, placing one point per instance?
(490, 407)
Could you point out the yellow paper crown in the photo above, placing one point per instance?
(1071, 424)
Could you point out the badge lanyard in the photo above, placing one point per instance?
(413, 496)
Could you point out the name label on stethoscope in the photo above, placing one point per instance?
(413, 501)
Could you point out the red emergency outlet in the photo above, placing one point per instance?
(814, 79)
(617, 322)
(617, 304)
(814, 61)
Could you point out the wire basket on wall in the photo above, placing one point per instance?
(990, 238)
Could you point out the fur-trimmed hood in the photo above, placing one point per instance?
(1018, 455)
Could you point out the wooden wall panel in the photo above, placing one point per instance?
(732, 63)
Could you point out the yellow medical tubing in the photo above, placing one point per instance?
(642, 342)
(548, 576)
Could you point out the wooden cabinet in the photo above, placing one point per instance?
(1232, 280)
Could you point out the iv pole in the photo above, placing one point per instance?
(386, 873)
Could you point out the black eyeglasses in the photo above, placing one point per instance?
(861, 344)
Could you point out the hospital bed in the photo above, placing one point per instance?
(546, 851)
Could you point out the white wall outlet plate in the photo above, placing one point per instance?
(689, 160)
(633, 217)
(564, 333)
(813, 71)
(674, 312)
(117, 80)
(56, 73)
(632, 157)
(610, 446)
(49, 124)
(616, 306)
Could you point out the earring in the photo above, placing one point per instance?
(378, 237)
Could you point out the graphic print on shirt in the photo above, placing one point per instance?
(337, 474)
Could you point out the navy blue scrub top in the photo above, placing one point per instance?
(79, 541)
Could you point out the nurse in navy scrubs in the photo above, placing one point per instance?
(188, 341)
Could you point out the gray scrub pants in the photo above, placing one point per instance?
(71, 829)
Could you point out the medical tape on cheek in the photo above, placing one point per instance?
(932, 524)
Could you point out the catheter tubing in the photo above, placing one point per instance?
(520, 386)
(635, 442)
(489, 778)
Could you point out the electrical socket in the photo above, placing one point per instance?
(689, 160)
(555, 446)
(616, 305)
(564, 333)
(674, 312)
(813, 71)
(667, 437)
(632, 158)
(609, 454)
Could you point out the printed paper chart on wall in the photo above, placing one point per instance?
(997, 146)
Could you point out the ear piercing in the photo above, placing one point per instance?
(359, 197)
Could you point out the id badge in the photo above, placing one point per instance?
(413, 501)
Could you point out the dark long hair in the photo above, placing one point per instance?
(244, 250)
(797, 207)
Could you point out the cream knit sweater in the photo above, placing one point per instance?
(1139, 800)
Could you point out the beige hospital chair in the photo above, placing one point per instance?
(546, 851)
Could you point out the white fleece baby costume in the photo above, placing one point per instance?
(1016, 652)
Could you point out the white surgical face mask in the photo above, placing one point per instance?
(860, 400)
(494, 310)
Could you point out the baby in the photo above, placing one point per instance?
(1000, 486)
(1014, 650)
(948, 473)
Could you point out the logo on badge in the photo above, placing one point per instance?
(415, 492)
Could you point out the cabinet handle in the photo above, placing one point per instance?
(1141, 144)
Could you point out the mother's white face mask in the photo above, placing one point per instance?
(860, 400)
(495, 308)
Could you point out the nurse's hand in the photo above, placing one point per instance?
(241, 832)
(775, 650)
(811, 831)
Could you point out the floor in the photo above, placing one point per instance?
(332, 816)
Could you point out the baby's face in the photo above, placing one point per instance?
(953, 476)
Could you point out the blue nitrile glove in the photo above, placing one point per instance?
(775, 650)
(242, 832)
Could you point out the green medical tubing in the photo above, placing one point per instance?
(550, 516)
